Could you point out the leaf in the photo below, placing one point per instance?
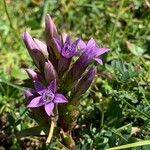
(134, 49)
(116, 64)
(34, 131)
(141, 143)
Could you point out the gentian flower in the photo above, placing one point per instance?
(92, 48)
(55, 61)
(46, 97)
(90, 52)
(67, 51)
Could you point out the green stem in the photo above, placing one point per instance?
(51, 130)
(102, 119)
(137, 110)
(115, 26)
(6, 10)
(12, 85)
(10, 22)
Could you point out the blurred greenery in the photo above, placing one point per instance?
(116, 109)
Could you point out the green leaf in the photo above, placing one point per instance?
(136, 50)
(136, 144)
(33, 131)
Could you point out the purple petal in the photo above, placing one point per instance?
(28, 94)
(32, 74)
(68, 40)
(63, 64)
(51, 33)
(36, 102)
(69, 50)
(39, 87)
(82, 44)
(98, 60)
(33, 50)
(91, 43)
(49, 108)
(59, 98)
(101, 51)
(52, 86)
(58, 44)
(29, 42)
(50, 27)
(64, 37)
(50, 73)
(42, 46)
(85, 82)
(75, 43)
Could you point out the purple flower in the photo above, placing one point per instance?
(46, 97)
(90, 52)
(67, 51)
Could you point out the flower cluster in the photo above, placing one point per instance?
(63, 67)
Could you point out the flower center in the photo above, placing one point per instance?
(48, 96)
(67, 49)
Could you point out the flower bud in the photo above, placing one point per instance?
(51, 33)
(85, 82)
(42, 46)
(32, 74)
(34, 50)
(50, 73)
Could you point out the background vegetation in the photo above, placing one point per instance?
(115, 111)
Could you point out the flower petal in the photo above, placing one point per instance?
(51, 33)
(59, 98)
(33, 49)
(85, 82)
(68, 42)
(58, 44)
(42, 46)
(52, 86)
(49, 71)
(64, 37)
(63, 65)
(49, 108)
(91, 43)
(35, 102)
(98, 60)
(29, 93)
(39, 87)
(82, 45)
(32, 74)
(101, 51)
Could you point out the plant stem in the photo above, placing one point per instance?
(50, 132)
(137, 110)
(6, 10)
(10, 22)
(115, 26)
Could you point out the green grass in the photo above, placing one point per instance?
(120, 95)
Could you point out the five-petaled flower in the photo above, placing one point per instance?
(47, 97)
(67, 49)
